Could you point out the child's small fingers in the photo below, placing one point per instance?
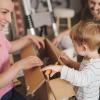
(44, 69)
(61, 56)
(52, 73)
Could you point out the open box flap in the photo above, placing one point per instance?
(34, 78)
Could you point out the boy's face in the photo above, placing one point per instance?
(94, 6)
(6, 7)
(81, 49)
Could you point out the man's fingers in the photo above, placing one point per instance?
(55, 42)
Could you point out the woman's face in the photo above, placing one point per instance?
(6, 7)
(94, 6)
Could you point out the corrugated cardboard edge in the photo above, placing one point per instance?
(34, 78)
(29, 74)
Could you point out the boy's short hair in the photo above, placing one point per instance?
(86, 32)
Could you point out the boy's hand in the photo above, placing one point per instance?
(54, 68)
(64, 58)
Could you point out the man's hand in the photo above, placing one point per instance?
(58, 39)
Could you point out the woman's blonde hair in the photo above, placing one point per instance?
(86, 32)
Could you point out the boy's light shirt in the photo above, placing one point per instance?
(87, 79)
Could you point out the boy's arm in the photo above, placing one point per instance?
(78, 78)
(68, 61)
(73, 64)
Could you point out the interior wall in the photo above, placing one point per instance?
(76, 5)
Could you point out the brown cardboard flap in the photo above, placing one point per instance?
(61, 89)
(33, 77)
(52, 51)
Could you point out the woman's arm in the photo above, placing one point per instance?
(24, 64)
(26, 40)
(58, 39)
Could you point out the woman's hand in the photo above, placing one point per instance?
(38, 41)
(29, 62)
(26, 40)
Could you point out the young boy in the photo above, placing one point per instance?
(86, 40)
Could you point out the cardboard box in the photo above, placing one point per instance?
(34, 78)
(60, 89)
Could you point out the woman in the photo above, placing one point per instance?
(7, 72)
